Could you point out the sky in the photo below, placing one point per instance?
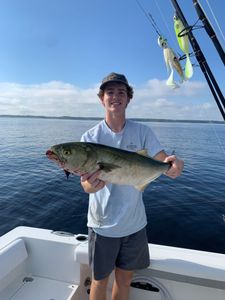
(54, 54)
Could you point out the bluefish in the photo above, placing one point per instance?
(117, 166)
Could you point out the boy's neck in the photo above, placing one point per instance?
(116, 124)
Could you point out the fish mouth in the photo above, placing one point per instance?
(51, 155)
(61, 163)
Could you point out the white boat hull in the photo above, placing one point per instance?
(40, 264)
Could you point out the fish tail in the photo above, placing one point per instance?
(170, 81)
(188, 67)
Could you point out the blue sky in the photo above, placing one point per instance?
(54, 53)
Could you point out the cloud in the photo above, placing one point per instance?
(191, 101)
(54, 98)
(152, 99)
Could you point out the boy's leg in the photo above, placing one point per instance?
(98, 289)
(103, 252)
(121, 284)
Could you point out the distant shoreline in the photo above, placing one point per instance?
(100, 118)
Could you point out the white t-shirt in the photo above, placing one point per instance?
(118, 210)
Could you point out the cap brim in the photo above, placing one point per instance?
(111, 81)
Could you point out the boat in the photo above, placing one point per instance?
(41, 264)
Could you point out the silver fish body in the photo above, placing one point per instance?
(172, 61)
(117, 166)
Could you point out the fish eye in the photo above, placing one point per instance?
(66, 152)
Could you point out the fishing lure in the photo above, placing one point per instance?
(183, 42)
(172, 62)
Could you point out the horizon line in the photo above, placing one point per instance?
(100, 118)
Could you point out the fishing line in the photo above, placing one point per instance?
(209, 19)
(154, 24)
(149, 17)
(192, 28)
(172, 36)
(215, 19)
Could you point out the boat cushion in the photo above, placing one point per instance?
(12, 256)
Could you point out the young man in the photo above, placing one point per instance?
(116, 214)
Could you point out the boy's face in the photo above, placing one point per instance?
(115, 98)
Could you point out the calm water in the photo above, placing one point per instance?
(186, 212)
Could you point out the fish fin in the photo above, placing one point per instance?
(142, 187)
(143, 152)
(67, 174)
(106, 166)
(188, 67)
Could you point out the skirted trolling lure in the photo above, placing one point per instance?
(172, 62)
(183, 42)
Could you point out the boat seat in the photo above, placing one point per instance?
(12, 256)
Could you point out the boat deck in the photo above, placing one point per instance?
(36, 288)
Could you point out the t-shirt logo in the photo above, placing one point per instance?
(132, 147)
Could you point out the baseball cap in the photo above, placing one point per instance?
(115, 77)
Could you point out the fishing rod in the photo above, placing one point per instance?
(209, 29)
(212, 83)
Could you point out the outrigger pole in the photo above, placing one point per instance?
(209, 29)
(212, 83)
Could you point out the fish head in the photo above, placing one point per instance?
(69, 156)
(177, 20)
(177, 25)
(175, 17)
(162, 42)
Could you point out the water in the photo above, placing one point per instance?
(186, 212)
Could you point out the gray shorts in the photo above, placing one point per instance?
(127, 253)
